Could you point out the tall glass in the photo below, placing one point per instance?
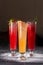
(13, 36)
(31, 36)
(22, 36)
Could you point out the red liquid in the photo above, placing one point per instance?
(13, 36)
(31, 36)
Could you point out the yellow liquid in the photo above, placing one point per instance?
(22, 34)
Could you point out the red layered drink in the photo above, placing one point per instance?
(31, 35)
(13, 35)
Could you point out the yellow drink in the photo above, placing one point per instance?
(22, 34)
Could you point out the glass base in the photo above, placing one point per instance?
(13, 53)
(22, 57)
(31, 53)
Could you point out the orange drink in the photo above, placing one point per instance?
(22, 34)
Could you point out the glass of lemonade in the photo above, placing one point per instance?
(22, 36)
(31, 36)
(13, 36)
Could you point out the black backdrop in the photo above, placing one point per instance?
(20, 9)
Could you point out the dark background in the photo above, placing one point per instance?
(20, 9)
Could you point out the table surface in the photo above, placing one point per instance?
(3, 62)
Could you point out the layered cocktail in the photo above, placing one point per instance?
(31, 36)
(22, 36)
(13, 35)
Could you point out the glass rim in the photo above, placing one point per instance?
(14, 23)
(32, 22)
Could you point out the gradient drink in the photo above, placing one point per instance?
(13, 35)
(22, 36)
(31, 35)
